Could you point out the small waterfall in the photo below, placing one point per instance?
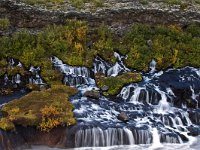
(102, 66)
(163, 105)
(118, 67)
(6, 79)
(17, 79)
(97, 137)
(74, 76)
(152, 66)
(156, 139)
(35, 78)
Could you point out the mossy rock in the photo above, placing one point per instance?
(28, 110)
(115, 84)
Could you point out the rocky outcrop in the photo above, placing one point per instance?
(24, 137)
(92, 94)
(123, 117)
(117, 16)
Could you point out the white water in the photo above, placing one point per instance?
(156, 139)
(186, 146)
(153, 118)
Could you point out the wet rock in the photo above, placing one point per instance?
(104, 88)
(92, 94)
(194, 131)
(123, 117)
(62, 137)
(195, 116)
(149, 43)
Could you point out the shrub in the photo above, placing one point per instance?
(4, 24)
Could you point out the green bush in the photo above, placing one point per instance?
(4, 23)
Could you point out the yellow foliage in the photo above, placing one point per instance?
(51, 117)
(69, 37)
(174, 57)
(50, 110)
(49, 123)
(79, 48)
(175, 28)
(81, 33)
(6, 124)
(14, 110)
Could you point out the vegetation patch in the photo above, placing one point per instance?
(115, 84)
(4, 23)
(170, 46)
(43, 109)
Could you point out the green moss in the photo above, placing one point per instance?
(116, 83)
(4, 23)
(26, 111)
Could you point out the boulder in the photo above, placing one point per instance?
(193, 131)
(104, 88)
(92, 94)
(123, 117)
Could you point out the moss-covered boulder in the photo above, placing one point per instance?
(43, 109)
(115, 84)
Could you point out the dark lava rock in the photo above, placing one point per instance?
(24, 137)
(123, 117)
(92, 94)
(195, 116)
(194, 131)
(104, 88)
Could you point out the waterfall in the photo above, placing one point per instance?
(153, 107)
(17, 79)
(110, 70)
(35, 78)
(163, 105)
(100, 65)
(74, 76)
(156, 139)
(97, 137)
(152, 66)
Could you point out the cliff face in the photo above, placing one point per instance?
(23, 137)
(116, 16)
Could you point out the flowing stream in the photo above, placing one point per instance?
(163, 108)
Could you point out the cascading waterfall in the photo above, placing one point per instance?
(74, 76)
(153, 106)
(110, 70)
(152, 66)
(35, 78)
(156, 139)
(17, 79)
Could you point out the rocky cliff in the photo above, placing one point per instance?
(118, 15)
